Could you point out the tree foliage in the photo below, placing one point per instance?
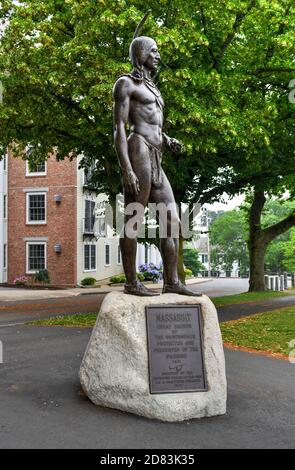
(229, 234)
(229, 64)
(191, 260)
(228, 238)
(226, 84)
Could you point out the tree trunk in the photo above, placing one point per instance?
(257, 248)
(256, 243)
(180, 265)
(259, 239)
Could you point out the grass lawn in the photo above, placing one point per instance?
(248, 297)
(78, 320)
(269, 331)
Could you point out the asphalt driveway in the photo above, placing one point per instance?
(42, 406)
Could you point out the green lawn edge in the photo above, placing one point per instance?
(246, 297)
(272, 331)
(88, 319)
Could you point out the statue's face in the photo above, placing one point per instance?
(153, 58)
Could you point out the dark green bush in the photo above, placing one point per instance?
(88, 281)
(42, 276)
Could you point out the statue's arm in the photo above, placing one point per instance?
(121, 94)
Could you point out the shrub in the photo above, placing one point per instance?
(188, 272)
(121, 278)
(191, 260)
(21, 281)
(118, 279)
(88, 281)
(42, 276)
(151, 272)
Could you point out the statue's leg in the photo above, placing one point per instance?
(140, 161)
(169, 241)
(169, 221)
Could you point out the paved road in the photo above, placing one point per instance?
(41, 404)
(21, 311)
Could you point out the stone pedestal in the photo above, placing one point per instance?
(114, 371)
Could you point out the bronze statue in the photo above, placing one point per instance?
(138, 102)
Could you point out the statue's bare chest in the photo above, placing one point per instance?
(147, 95)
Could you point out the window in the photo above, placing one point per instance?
(36, 208)
(4, 255)
(89, 219)
(36, 256)
(204, 258)
(88, 174)
(89, 257)
(36, 169)
(204, 221)
(107, 255)
(4, 206)
(119, 255)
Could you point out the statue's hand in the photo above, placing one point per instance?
(131, 183)
(173, 144)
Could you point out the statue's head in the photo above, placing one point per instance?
(144, 51)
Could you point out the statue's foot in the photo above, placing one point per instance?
(179, 288)
(139, 289)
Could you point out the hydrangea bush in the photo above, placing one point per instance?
(151, 272)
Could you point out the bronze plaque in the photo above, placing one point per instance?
(175, 348)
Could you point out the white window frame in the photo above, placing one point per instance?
(205, 256)
(91, 270)
(36, 173)
(92, 167)
(27, 255)
(105, 252)
(35, 222)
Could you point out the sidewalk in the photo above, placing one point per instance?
(11, 294)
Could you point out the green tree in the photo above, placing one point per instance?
(228, 235)
(274, 211)
(191, 260)
(289, 252)
(225, 86)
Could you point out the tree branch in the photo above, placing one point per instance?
(270, 233)
(228, 40)
(204, 24)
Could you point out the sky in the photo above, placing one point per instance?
(227, 205)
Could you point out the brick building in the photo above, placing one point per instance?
(42, 205)
(51, 224)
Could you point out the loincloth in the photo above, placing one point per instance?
(155, 158)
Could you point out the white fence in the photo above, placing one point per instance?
(279, 282)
